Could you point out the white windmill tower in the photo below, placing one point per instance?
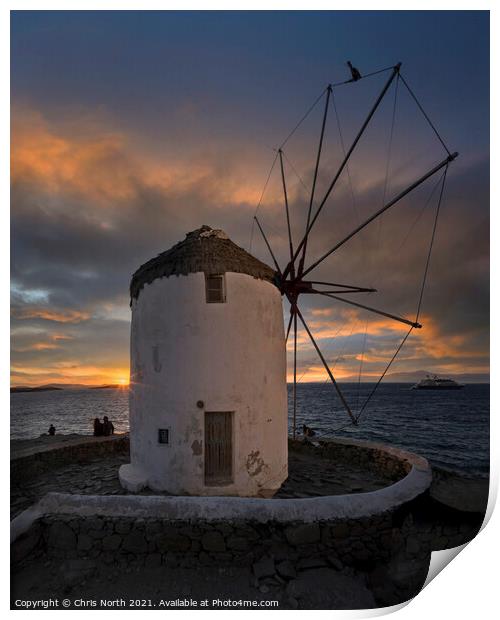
(208, 401)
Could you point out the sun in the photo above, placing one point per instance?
(123, 382)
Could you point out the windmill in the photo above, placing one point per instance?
(296, 277)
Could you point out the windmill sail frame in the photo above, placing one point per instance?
(290, 280)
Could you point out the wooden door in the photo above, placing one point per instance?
(218, 448)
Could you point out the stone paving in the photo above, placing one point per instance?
(309, 476)
(95, 476)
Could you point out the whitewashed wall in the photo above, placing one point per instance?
(232, 357)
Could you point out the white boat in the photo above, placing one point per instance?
(436, 383)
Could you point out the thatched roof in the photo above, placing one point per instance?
(206, 250)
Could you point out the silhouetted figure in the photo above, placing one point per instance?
(52, 430)
(356, 75)
(308, 432)
(108, 428)
(98, 428)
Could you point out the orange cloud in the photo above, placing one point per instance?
(106, 167)
(351, 322)
(450, 353)
(318, 374)
(57, 339)
(93, 165)
(61, 337)
(42, 346)
(62, 316)
(68, 373)
(38, 346)
(322, 312)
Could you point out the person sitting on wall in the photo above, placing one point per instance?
(52, 430)
(108, 428)
(98, 428)
(307, 431)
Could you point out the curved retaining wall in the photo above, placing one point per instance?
(28, 461)
(184, 531)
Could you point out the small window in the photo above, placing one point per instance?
(163, 435)
(215, 289)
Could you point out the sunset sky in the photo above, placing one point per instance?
(130, 129)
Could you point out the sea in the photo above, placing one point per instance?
(450, 427)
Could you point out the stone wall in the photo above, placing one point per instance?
(353, 542)
(387, 535)
(384, 460)
(392, 550)
(30, 462)
(350, 529)
(145, 541)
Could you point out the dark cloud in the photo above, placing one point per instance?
(82, 222)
